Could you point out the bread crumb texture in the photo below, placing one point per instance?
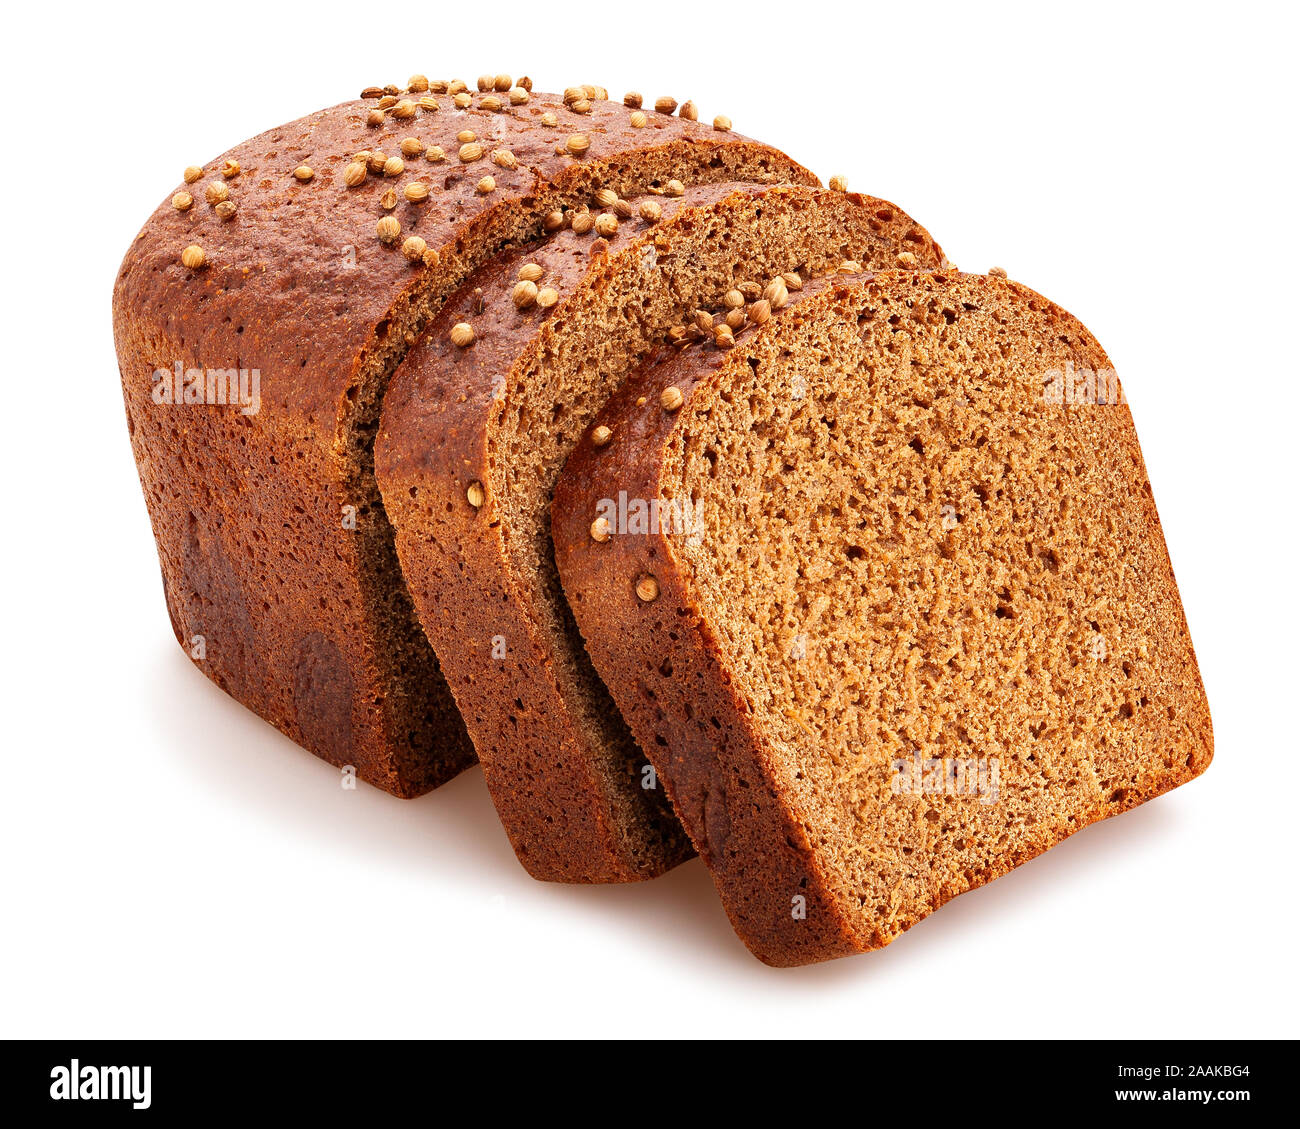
(925, 624)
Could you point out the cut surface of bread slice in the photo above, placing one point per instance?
(305, 261)
(476, 426)
(919, 624)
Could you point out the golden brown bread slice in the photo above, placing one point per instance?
(307, 259)
(918, 623)
(473, 437)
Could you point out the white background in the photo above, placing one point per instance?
(172, 866)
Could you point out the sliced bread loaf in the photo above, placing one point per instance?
(921, 623)
(476, 426)
(258, 316)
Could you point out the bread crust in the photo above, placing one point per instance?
(670, 673)
(248, 511)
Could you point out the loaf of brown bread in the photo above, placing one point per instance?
(476, 427)
(258, 316)
(920, 623)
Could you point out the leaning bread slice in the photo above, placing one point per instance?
(476, 426)
(907, 618)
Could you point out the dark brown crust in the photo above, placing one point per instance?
(665, 664)
(246, 509)
(437, 437)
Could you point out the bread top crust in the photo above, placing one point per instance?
(297, 282)
(420, 403)
(420, 399)
(642, 430)
(647, 431)
(444, 394)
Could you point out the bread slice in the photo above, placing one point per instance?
(920, 624)
(277, 557)
(473, 437)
